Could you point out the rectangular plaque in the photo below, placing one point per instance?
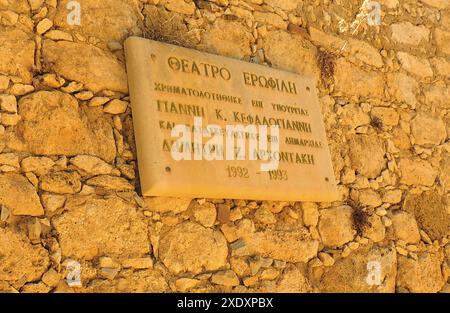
(171, 85)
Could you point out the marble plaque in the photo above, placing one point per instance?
(199, 124)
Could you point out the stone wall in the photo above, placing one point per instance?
(68, 182)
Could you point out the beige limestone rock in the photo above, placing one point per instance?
(295, 245)
(115, 106)
(405, 227)
(388, 116)
(369, 197)
(143, 281)
(367, 155)
(415, 171)
(19, 6)
(350, 274)
(38, 165)
(91, 165)
(414, 65)
(431, 212)
(180, 6)
(227, 38)
(53, 202)
(440, 4)
(167, 204)
(291, 53)
(61, 182)
(75, 130)
(421, 275)
(293, 280)
(402, 87)
(8, 103)
(310, 213)
(56, 35)
(21, 261)
(428, 130)
(43, 26)
(189, 247)
(270, 18)
(17, 194)
(51, 278)
(225, 278)
(16, 56)
(97, 69)
(110, 182)
(287, 5)
(438, 95)
(442, 38)
(108, 20)
(352, 80)
(336, 226)
(365, 52)
(205, 214)
(409, 34)
(185, 284)
(105, 227)
(392, 196)
(376, 231)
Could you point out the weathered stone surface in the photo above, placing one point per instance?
(189, 247)
(180, 6)
(270, 18)
(227, 38)
(73, 130)
(110, 182)
(95, 68)
(409, 34)
(376, 231)
(336, 226)
(367, 155)
(291, 53)
(91, 165)
(353, 81)
(104, 227)
(428, 130)
(17, 194)
(438, 95)
(421, 275)
(440, 4)
(168, 26)
(365, 52)
(350, 274)
(431, 213)
(167, 204)
(116, 106)
(402, 87)
(19, 6)
(108, 20)
(8, 103)
(295, 245)
(205, 214)
(414, 65)
(225, 278)
(442, 38)
(388, 116)
(405, 227)
(38, 165)
(61, 182)
(287, 5)
(293, 280)
(143, 281)
(416, 172)
(21, 262)
(16, 56)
